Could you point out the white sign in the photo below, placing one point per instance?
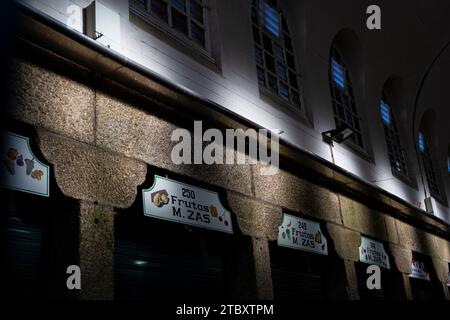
(372, 252)
(419, 271)
(175, 201)
(302, 234)
(20, 170)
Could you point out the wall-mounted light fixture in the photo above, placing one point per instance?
(337, 135)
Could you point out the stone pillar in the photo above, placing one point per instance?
(101, 181)
(351, 280)
(96, 251)
(407, 286)
(442, 270)
(402, 259)
(258, 220)
(446, 290)
(263, 272)
(346, 243)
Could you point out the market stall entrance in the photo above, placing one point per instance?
(299, 260)
(179, 247)
(37, 230)
(423, 279)
(22, 230)
(372, 252)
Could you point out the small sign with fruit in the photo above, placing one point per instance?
(20, 170)
(176, 201)
(372, 252)
(302, 234)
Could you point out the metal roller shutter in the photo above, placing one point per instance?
(148, 272)
(425, 290)
(150, 264)
(21, 254)
(296, 274)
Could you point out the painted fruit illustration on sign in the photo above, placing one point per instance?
(318, 237)
(160, 198)
(13, 157)
(287, 233)
(30, 166)
(19, 161)
(37, 174)
(213, 211)
(9, 165)
(12, 154)
(222, 217)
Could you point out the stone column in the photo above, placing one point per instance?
(96, 250)
(351, 280)
(260, 221)
(101, 181)
(442, 270)
(263, 272)
(402, 259)
(446, 291)
(346, 243)
(407, 286)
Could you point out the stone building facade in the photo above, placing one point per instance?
(104, 128)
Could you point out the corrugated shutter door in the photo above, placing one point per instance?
(425, 290)
(145, 271)
(22, 259)
(295, 275)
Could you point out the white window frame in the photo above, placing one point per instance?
(145, 13)
(364, 149)
(300, 109)
(393, 138)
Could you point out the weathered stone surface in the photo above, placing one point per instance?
(255, 218)
(415, 239)
(45, 99)
(96, 251)
(263, 270)
(346, 242)
(402, 258)
(294, 193)
(446, 291)
(235, 177)
(407, 286)
(351, 280)
(391, 229)
(441, 268)
(357, 216)
(129, 130)
(88, 173)
(442, 248)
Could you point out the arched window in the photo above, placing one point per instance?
(184, 19)
(343, 97)
(274, 52)
(395, 150)
(427, 160)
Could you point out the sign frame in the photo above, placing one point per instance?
(226, 214)
(377, 247)
(305, 223)
(37, 164)
(422, 273)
